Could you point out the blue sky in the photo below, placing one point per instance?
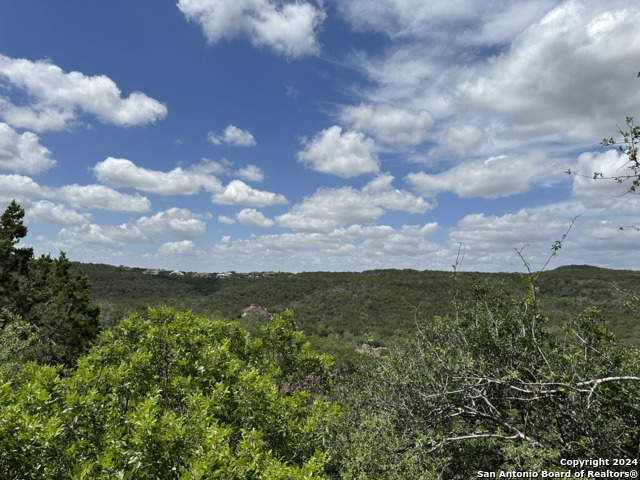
(209, 135)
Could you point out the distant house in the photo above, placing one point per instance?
(256, 310)
(201, 275)
(225, 275)
(176, 272)
(151, 271)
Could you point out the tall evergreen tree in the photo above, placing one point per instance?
(44, 293)
(13, 260)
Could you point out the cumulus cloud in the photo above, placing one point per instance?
(101, 197)
(460, 140)
(288, 28)
(354, 247)
(113, 236)
(177, 222)
(495, 177)
(232, 135)
(559, 70)
(56, 99)
(239, 193)
(250, 217)
(49, 212)
(563, 75)
(22, 152)
(120, 172)
(183, 248)
(503, 233)
(250, 173)
(490, 240)
(226, 220)
(21, 188)
(347, 154)
(389, 124)
(331, 208)
(603, 194)
(328, 209)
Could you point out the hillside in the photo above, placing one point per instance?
(338, 310)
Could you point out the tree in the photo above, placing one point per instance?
(165, 395)
(45, 294)
(491, 389)
(13, 260)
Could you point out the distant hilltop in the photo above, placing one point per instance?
(578, 267)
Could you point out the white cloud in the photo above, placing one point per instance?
(184, 248)
(232, 135)
(177, 222)
(328, 209)
(566, 74)
(502, 234)
(287, 28)
(495, 177)
(21, 188)
(386, 241)
(250, 217)
(381, 192)
(120, 172)
(491, 241)
(226, 220)
(603, 194)
(355, 247)
(22, 152)
(250, 173)
(49, 212)
(57, 98)
(113, 236)
(416, 19)
(389, 124)
(460, 140)
(101, 197)
(239, 193)
(347, 154)
(560, 70)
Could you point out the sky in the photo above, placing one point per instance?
(320, 135)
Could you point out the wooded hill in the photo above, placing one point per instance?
(339, 311)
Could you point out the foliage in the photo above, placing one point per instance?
(491, 389)
(43, 292)
(168, 395)
(19, 344)
(13, 260)
(338, 310)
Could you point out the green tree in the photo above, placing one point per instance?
(45, 294)
(164, 395)
(13, 260)
(491, 389)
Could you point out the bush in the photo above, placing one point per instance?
(169, 395)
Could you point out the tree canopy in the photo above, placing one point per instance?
(491, 389)
(43, 293)
(172, 395)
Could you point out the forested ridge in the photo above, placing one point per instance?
(108, 372)
(339, 311)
